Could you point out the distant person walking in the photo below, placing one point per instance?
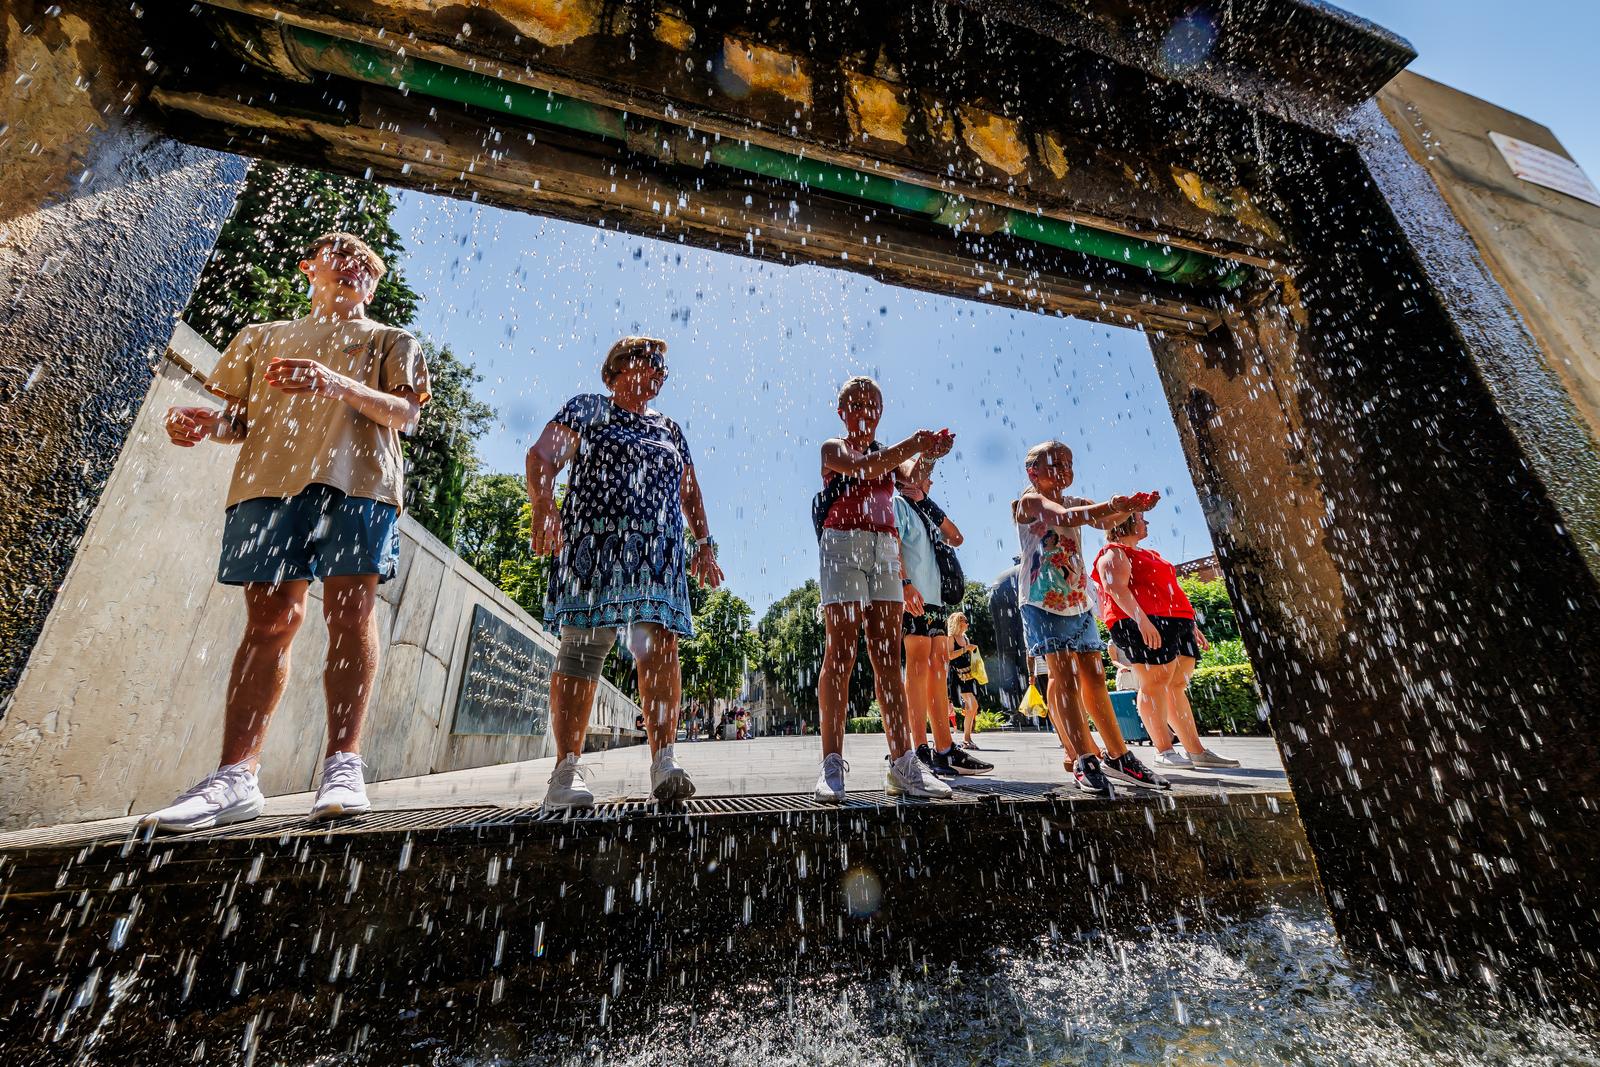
(620, 561)
(1153, 623)
(1056, 617)
(863, 581)
(926, 539)
(316, 406)
(963, 682)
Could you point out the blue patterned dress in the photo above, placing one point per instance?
(623, 559)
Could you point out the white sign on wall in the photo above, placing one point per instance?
(1544, 167)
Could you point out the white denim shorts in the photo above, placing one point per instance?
(860, 566)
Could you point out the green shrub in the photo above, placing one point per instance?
(990, 720)
(1228, 652)
(1225, 700)
(865, 724)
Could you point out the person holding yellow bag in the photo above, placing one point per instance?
(967, 673)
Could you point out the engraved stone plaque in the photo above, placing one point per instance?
(506, 685)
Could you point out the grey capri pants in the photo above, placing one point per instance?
(584, 649)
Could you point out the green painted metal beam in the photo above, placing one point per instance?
(349, 59)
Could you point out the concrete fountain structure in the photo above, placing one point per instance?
(1385, 381)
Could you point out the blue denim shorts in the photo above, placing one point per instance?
(1047, 632)
(317, 533)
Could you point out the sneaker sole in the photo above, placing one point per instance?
(1092, 791)
(965, 771)
(250, 811)
(827, 796)
(339, 811)
(1231, 766)
(674, 787)
(570, 805)
(1128, 779)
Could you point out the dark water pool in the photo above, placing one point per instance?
(1276, 989)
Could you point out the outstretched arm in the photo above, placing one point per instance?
(397, 410)
(703, 565)
(548, 455)
(839, 457)
(1035, 507)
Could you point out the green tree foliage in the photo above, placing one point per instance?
(714, 660)
(443, 451)
(1212, 607)
(792, 641)
(254, 274)
(1228, 652)
(488, 533)
(1225, 699)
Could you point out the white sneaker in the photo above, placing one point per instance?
(668, 781)
(567, 788)
(227, 795)
(1207, 758)
(909, 776)
(343, 790)
(830, 783)
(1173, 757)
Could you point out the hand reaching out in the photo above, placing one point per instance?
(544, 535)
(303, 376)
(703, 565)
(188, 426)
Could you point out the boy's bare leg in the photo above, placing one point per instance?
(1096, 700)
(570, 702)
(273, 613)
(348, 603)
(842, 623)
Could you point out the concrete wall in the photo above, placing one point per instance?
(1542, 246)
(120, 705)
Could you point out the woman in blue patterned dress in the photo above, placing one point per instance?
(620, 561)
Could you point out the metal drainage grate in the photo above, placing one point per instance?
(486, 816)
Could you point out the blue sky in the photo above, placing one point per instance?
(757, 351)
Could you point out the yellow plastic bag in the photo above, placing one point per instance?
(1033, 704)
(980, 673)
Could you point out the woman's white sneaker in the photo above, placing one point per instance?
(1174, 757)
(1207, 758)
(567, 789)
(909, 776)
(830, 783)
(227, 795)
(668, 781)
(343, 790)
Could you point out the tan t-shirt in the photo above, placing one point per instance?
(300, 439)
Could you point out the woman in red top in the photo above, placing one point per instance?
(1152, 622)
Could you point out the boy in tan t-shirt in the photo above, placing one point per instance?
(316, 405)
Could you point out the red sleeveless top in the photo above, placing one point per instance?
(1154, 582)
(864, 505)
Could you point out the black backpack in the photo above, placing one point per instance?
(952, 579)
(832, 490)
